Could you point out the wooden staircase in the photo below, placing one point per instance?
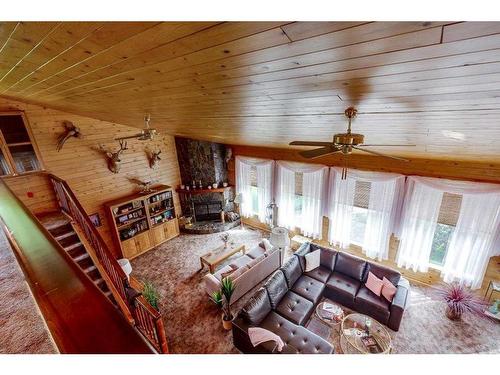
(59, 226)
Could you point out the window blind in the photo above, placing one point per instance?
(362, 194)
(299, 178)
(450, 209)
(253, 175)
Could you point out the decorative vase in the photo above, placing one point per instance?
(227, 324)
(452, 315)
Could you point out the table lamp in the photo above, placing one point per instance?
(279, 238)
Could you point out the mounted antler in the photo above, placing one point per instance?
(70, 131)
(154, 159)
(114, 157)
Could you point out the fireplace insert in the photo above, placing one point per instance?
(207, 210)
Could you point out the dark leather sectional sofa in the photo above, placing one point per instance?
(288, 298)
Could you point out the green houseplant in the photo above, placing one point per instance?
(222, 299)
(151, 294)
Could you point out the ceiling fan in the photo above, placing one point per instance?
(146, 134)
(344, 143)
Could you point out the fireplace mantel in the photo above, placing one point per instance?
(204, 191)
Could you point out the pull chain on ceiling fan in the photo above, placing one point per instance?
(344, 143)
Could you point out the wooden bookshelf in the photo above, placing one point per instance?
(143, 221)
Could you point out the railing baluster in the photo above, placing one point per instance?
(147, 319)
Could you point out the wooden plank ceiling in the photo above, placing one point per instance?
(435, 84)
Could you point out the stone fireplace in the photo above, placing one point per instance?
(203, 164)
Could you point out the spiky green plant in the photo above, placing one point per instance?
(222, 297)
(151, 294)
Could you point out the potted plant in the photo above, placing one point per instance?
(222, 299)
(460, 300)
(151, 294)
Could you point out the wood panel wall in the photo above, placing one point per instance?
(84, 167)
(484, 171)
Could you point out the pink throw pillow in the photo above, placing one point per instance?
(374, 283)
(388, 290)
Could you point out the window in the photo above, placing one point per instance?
(17, 152)
(360, 212)
(447, 220)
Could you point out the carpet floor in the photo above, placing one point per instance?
(193, 323)
(22, 328)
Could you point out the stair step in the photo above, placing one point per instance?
(60, 229)
(68, 239)
(94, 274)
(90, 269)
(65, 235)
(81, 257)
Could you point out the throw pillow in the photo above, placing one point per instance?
(312, 260)
(388, 290)
(267, 244)
(253, 262)
(374, 284)
(227, 273)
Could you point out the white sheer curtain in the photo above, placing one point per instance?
(341, 200)
(243, 185)
(309, 219)
(265, 170)
(471, 245)
(475, 239)
(419, 220)
(386, 194)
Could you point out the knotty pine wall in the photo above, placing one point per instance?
(475, 171)
(83, 167)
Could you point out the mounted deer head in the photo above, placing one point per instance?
(154, 159)
(113, 158)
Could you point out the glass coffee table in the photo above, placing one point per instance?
(330, 313)
(361, 334)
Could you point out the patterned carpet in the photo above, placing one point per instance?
(22, 329)
(193, 323)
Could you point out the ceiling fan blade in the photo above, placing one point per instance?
(310, 143)
(317, 152)
(363, 145)
(379, 154)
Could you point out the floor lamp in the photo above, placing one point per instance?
(279, 238)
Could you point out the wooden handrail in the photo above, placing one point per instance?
(147, 320)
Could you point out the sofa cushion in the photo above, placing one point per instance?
(343, 285)
(328, 258)
(351, 266)
(238, 272)
(253, 262)
(256, 309)
(381, 272)
(297, 339)
(309, 288)
(241, 261)
(276, 287)
(321, 274)
(256, 252)
(223, 272)
(295, 308)
(369, 303)
(292, 271)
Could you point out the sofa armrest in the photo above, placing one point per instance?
(211, 284)
(401, 297)
(399, 303)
